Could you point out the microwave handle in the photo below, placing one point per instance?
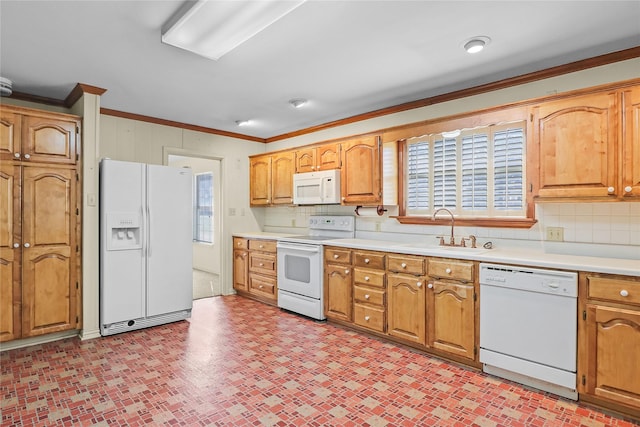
(324, 188)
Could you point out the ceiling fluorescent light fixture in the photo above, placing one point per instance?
(212, 28)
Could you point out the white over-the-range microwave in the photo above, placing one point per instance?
(317, 188)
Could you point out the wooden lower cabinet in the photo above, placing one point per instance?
(255, 269)
(241, 270)
(609, 341)
(406, 307)
(369, 290)
(338, 298)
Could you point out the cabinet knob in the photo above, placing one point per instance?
(430, 286)
(366, 260)
(367, 296)
(448, 271)
(239, 244)
(346, 271)
(16, 155)
(367, 318)
(611, 189)
(344, 198)
(260, 286)
(261, 264)
(366, 278)
(336, 256)
(403, 265)
(419, 284)
(268, 201)
(16, 245)
(624, 293)
(27, 245)
(627, 189)
(27, 156)
(261, 246)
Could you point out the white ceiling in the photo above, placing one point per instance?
(346, 57)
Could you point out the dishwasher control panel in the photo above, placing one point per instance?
(530, 279)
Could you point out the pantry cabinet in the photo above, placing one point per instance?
(313, 159)
(609, 340)
(338, 296)
(361, 170)
(587, 147)
(271, 179)
(451, 307)
(39, 223)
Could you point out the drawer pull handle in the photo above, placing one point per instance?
(624, 293)
(260, 286)
(261, 265)
(366, 278)
(367, 318)
(367, 296)
(336, 256)
(16, 155)
(611, 189)
(27, 156)
(261, 246)
(366, 260)
(403, 265)
(239, 244)
(627, 189)
(430, 286)
(448, 271)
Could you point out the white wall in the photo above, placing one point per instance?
(602, 229)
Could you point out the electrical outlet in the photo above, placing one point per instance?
(232, 211)
(555, 234)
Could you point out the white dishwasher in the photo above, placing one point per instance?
(528, 326)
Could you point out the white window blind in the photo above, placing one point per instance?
(479, 173)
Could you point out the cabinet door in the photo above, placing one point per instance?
(360, 173)
(260, 180)
(46, 139)
(10, 281)
(406, 311)
(10, 135)
(451, 319)
(338, 299)
(328, 157)
(613, 342)
(306, 160)
(49, 250)
(240, 270)
(282, 178)
(631, 144)
(576, 143)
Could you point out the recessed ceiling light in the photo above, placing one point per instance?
(476, 44)
(298, 102)
(243, 122)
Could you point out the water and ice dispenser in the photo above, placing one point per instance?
(123, 229)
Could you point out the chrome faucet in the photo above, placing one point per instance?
(452, 241)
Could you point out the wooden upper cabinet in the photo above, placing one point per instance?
(631, 143)
(324, 157)
(282, 165)
(260, 180)
(49, 250)
(10, 134)
(360, 172)
(576, 146)
(36, 136)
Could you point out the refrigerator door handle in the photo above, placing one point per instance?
(148, 234)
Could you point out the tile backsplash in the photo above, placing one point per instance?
(598, 229)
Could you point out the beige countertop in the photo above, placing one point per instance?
(518, 256)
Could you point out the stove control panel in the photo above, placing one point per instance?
(332, 222)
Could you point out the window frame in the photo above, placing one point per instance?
(495, 117)
(197, 237)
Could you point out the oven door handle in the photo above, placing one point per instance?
(303, 248)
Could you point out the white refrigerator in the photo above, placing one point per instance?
(146, 236)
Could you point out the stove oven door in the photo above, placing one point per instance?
(300, 268)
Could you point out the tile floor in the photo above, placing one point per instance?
(239, 362)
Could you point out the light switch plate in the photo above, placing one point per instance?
(555, 234)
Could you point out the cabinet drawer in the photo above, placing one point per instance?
(406, 264)
(262, 285)
(263, 263)
(618, 290)
(369, 296)
(262, 245)
(449, 269)
(369, 317)
(369, 277)
(340, 256)
(240, 243)
(368, 259)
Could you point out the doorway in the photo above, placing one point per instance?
(207, 221)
